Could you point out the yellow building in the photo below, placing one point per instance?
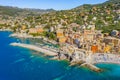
(23, 27)
(107, 49)
(62, 39)
(59, 33)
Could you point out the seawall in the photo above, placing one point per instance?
(36, 48)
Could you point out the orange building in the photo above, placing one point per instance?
(108, 11)
(35, 30)
(94, 48)
(40, 30)
(32, 30)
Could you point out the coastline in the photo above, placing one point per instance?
(90, 65)
(84, 64)
(78, 68)
(33, 47)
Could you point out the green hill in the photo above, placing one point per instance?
(105, 16)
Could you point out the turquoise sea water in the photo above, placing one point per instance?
(23, 64)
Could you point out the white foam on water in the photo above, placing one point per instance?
(19, 60)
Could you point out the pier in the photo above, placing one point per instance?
(91, 66)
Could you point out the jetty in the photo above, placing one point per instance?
(82, 60)
(20, 35)
(36, 48)
(91, 66)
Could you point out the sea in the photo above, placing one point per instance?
(17, 63)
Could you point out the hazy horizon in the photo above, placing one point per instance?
(46, 4)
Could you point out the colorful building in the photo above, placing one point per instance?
(94, 48)
(32, 30)
(107, 49)
(35, 30)
(40, 30)
(62, 39)
(59, 33)
(23, 27)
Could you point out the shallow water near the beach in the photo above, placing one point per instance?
(18, 63)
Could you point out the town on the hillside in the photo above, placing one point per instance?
(90, 33)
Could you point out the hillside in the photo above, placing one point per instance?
(105, 16)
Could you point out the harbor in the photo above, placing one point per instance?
(78, 57)
(60, 40)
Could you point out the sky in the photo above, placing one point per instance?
(48, 4)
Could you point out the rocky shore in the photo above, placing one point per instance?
(56, 55)
(78, 58)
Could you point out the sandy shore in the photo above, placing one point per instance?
(36, 48)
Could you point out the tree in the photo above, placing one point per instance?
(52, 36)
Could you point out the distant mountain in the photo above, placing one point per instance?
(15, 11)
(39, 10)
